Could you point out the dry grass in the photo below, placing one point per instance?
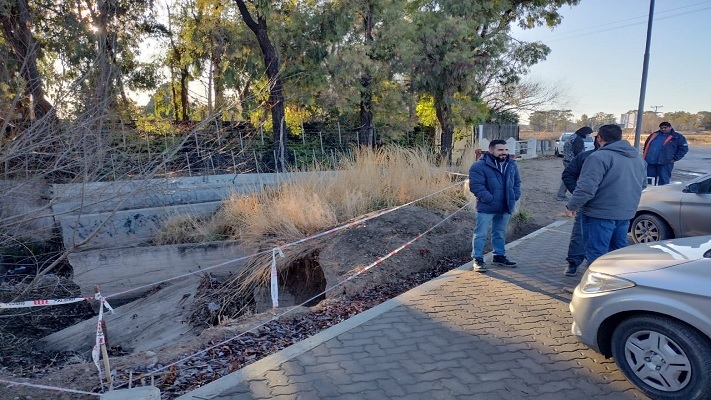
(370, 181)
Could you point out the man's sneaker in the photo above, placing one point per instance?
(570, 270)
(503, 261)
(478, 265)
(562, 198)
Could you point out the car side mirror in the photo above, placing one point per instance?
(693, 188)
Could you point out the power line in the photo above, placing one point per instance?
(575, 36)
(642, 17)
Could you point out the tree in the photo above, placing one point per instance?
(256, 21)
(461, 42)
(704, 120)
(17, 26)
(551, 120)
(681, 120)
(600, 119)
(354, 65)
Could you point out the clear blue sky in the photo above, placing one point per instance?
(597, 54)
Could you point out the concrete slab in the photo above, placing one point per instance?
(146, 324)
(127, 227)
(121, 269)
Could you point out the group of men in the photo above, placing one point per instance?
(606, 185)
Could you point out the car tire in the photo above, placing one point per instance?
(666, 359)
(647, 228)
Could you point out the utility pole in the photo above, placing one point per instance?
(645, 68)
(656, 108)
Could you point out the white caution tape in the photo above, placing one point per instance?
(100, 338)
(275, 278)
(42, 303)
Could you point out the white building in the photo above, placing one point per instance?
(628, 120)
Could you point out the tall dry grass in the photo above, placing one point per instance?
(371, 180)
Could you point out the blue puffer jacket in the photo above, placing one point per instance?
(674, 149)
(496, 191)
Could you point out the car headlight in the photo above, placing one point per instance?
(596, 282)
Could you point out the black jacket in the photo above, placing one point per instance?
(571, 173)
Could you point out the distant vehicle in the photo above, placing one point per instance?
(560, 142)
(558, 146)
(673, 211)
(647, 306)
(589, 143)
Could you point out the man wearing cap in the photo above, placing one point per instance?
(661, 150)
(572, 147)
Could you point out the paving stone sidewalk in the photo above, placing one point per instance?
(465, 335)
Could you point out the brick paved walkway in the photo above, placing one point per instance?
(500, 335)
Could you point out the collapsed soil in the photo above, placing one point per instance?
(445, 248)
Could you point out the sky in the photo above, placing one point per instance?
(597, 55)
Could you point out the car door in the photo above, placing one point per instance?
(695, 211)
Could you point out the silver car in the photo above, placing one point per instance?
(649, 307)
(673, 211)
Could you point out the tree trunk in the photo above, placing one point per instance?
(174, 96)
(184, 103)
(443, 107)
(17, 31)
(276, 90)
(367, 129)
(366, 137)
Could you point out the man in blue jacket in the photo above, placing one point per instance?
(496, 183)
(661, 150)
(608, 192)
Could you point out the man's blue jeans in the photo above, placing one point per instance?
(576, 247)
(498, 224)
(601, 236)
(660, 171)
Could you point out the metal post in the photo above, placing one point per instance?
(320, 138)
(645, 68)
(338, 123)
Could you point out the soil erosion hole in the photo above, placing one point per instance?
(302, 280)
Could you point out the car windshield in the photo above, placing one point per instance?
(589, 139)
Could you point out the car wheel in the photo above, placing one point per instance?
(649, 228)
(664, 358)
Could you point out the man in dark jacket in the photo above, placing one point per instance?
(661, 150)
(576, 249)
(496, 183)
(572, 147)
(608, 192)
